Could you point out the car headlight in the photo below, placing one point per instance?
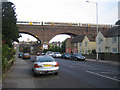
(83, 57)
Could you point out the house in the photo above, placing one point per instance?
(101, 36)
(77, 43)
(68, 45)
(83, 44)
(87, 45)
(55, 44)
(109, 40)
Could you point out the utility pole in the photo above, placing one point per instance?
(96, 27)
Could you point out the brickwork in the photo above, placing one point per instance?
(46, 32)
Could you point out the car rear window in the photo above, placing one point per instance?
(57, 53)
(67, 54)
(26, 54)
(45, 59)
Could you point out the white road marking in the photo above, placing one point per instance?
(102, 75)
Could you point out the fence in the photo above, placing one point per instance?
(105, 56)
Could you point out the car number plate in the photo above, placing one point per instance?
(47, 65)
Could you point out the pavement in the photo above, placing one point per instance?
(18, 76)
(105, 61)
(0, 85)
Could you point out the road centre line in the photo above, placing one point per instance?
(102, 75)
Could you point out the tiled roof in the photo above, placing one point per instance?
(81, 37)
(104, 32)
(90, 37)
(78, 39)
(115, 31)
(112, 32)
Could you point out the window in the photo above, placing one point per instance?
(75, 51)
(114, 50)
(80, 44)
(85, 44)
(67, 50)
(85, 51)
(99, 40)
(79, 51)
(99, 49)
(75, 44)
(114, 40)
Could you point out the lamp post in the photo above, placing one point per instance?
(97, 26)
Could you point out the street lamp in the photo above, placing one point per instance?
(97, 25)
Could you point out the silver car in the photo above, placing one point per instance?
(50, 53)
(45, 65)
(56, 54)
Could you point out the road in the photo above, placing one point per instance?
(72, 74)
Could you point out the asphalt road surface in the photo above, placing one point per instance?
(72, 74)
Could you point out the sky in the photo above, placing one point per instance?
(57, 38)
(76, 11)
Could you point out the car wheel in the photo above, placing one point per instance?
(83, 59)
(56, 73)
(35, 75)
(75, 59)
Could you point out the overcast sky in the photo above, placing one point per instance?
(77, 11)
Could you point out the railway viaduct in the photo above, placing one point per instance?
(44, 33)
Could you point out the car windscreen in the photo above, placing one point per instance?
(78, 54)
(45, 59)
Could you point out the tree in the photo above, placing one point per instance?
(63, 48)
(26, 49)
(9, 28)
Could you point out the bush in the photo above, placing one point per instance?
(94, 51)
(7, 54)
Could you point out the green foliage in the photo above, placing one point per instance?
(89, 51)
(63, 46)
(26, 49)
(7, 54)
(51, 46)
(56, 48)
(94, 51)
(71, 52)
(9, 28)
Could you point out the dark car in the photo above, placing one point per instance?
(77, 56)
(20, 54)
(66, 55)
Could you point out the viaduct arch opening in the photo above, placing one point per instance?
(38, 40)
(61, 37)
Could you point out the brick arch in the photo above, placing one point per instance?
(32, 34)
(52, 33)
(71, 34)
(46, 32)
